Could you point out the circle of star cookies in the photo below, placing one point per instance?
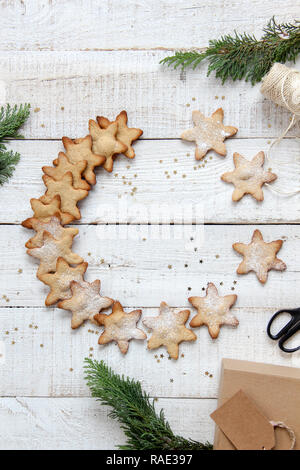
(248, 176)
(259, 256)
(209, 133)
(69, 181)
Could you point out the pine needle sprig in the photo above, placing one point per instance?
(241, 55)
(8, 161)
(11, 119)
(144, 428)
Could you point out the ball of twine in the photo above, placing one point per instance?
(282, 86)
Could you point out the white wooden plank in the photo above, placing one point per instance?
(157, 99)
(81, 25)
(145, 272)
(56, 368)
(151, 173)
(83, 424)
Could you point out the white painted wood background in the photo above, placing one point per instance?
(74, 60)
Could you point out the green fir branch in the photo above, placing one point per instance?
(144, 428)
(8, 161)
(242, 56)
(11, 119)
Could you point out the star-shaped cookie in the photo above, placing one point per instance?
(51, 250)
(69, 196)
(120, 327)
(259, 256)
(85, 302)
(209, 133)
(51, 225)
(125, 134)
(213, 310)
(62, 166)
(106, 143)
(44, 211)
(81, 149)
(59, 282)
(169, 330)
(248, 176)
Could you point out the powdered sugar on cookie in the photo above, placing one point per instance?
(120, 327)
(51, 225)
(169, 329)
(248, 176)
(213, 310)
(85, 302)
(60, 281)
(259, 256)
(51, 250)
(209, 133)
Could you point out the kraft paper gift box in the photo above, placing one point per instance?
(274, 389)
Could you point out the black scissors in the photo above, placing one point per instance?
(288, 330)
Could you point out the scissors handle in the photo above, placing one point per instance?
(284, 329)
(287, 336)
(288, 330)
